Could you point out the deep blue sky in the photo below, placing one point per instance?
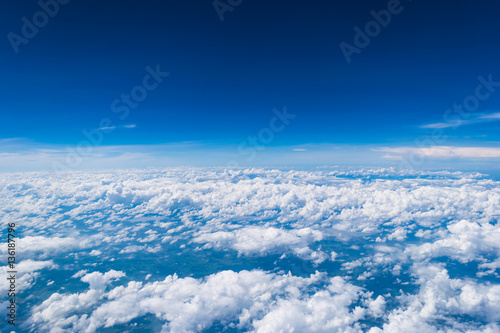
(226, 77)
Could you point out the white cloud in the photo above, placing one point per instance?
(465, 241)
(264, 240)
(263, 301)
(27, 272)
(491, 116)
(446, 152)
(455, 123)
(95, 253)
(53, 311)
(443, 298)
(375, 224)
(115, 127)
(79, 273)
(474, 119)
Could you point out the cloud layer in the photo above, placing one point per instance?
(264, 250)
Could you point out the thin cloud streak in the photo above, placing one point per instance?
(481, 118)
(20, 155)
(445, 152)
(108, 128)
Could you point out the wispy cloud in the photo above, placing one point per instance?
(116, 127)
(32, 156)
(455, 123)
(444, 152)
(479, 118)
(25, 155)
(491, 116)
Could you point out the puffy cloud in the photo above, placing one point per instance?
(262, 240)
(327, 310)
(264, 302)
(53, 311)
(465, 241)
(27, 271)
(50, 246)
(378, 227)
(441, 298)
(238, 195)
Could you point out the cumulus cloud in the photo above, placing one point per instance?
(264, 240)
(443, 298)
(396, 242)
(465, 241)
(53, 311)
(251, 300)
(27, 272)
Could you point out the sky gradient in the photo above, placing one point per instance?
(227, 76)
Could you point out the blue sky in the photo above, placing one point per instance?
(226, 77)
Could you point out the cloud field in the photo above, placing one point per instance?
(254, 250)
